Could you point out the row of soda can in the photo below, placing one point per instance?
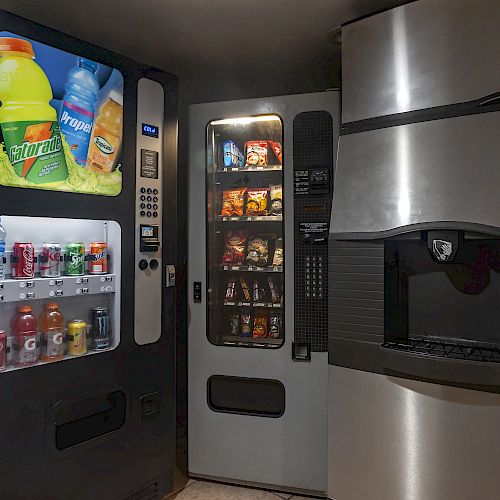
(50, 261)
(31, 345)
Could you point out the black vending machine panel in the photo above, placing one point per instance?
(313, 160)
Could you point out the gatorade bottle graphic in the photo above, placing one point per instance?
(29, 124)
(78, 109)
(24, 329)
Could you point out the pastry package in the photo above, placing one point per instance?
(258, 251)
(260, 325)
(234, 248)
(256, 153)
(246, 329)
(256, 202)
(232, 202)
(278, 253)
(276, 195)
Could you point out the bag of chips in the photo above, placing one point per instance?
(277, 150)
(232, 202)
(278, 253)
(256, 153)
(256, 202)
(276, 193)
(234, 250)
(260, 325)
(258, 251)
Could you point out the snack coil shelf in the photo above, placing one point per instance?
(267, 269)
(250, 218)
(17, 290)
(251, 341)
(250, 169)
(268, 305)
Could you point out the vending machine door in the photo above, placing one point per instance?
(257, 306)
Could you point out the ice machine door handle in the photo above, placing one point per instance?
(439, 369)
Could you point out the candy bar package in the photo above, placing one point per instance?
(258, 251)
(232, 202)
(234, 249)
(278, 253)
(245, 290)
(276, 194)
(231, 289)
(260, 325)
(277, 150)
(234, 324)
(274, 325)
(246, 329)
(258, 294)
(232, 155)
(256, 153)
(256, 202)
(275, 294)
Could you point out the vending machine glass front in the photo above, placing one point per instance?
(245, 217)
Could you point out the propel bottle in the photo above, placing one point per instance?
(28, 122)
(24, 331)
(52, 328)
(77, 113)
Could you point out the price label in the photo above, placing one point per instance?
(85, 291)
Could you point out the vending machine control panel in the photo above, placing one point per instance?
(148, 244)
(313, 162)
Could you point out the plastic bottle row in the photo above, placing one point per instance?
(46, 338)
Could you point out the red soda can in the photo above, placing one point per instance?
(98, 263)
(23, 261)
(50, 260)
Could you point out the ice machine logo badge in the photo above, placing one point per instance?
(442, 249)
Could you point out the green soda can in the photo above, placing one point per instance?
(75, 259)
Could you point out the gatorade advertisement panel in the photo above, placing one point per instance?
(61, 119)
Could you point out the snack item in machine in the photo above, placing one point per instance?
(258, 294)
(274, 325)
(258, 251)
(275, 294)
(278, 253)
(260, 324)
(246, 329)
(256, 202)
(276, 193)
(256, 153)
(234, 323)
(232, 155)
(245, 290)
(277, 150)
(232, 202)
(231, 289)
(234, 249)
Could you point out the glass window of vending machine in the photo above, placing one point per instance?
(59, 289)
(245, 232)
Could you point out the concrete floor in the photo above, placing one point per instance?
(205, 490)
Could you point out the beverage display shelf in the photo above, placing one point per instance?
(259, 269)
(250, 218)
(251, 342)
(268, 305)
(269, 168)
(19, 290)
(13, 367)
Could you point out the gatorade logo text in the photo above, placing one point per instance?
(75, 123)
(30, 344)
(103, 145)
(58, 338)
(28, 150)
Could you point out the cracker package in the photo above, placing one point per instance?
(260, 325)
(234, 249)
(256, 202)
(275, 325)
(258, 251)
(278, 253)
(276, 194)
(256, 153)
(232, 202)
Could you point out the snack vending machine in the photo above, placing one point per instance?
(261, 179)
(87, 189)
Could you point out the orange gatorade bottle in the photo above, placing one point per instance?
(106, 136)
(52, 328)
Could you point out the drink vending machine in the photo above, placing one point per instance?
(87, 309)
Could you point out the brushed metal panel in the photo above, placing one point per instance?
(397, 439)
(443, 170)
(420, 55)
